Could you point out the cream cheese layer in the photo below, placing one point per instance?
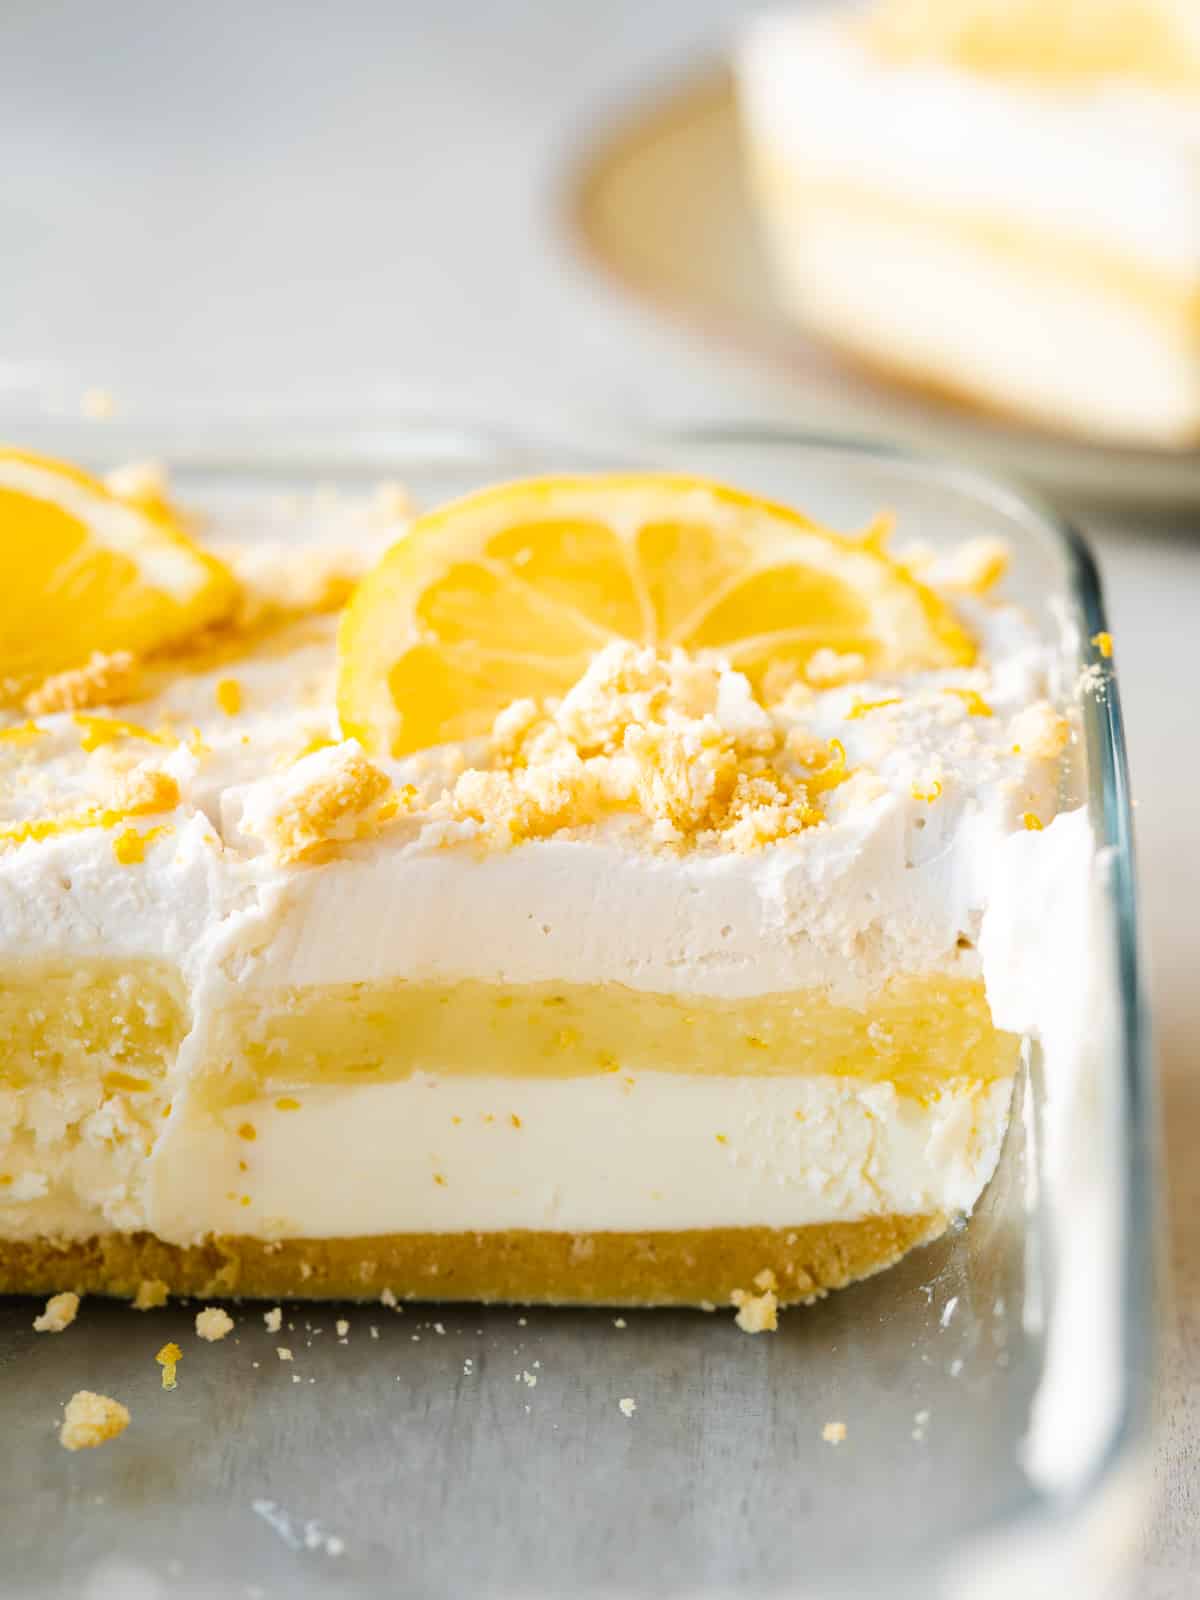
(611, 1154)
(579, 1155)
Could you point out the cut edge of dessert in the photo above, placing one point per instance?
(597, 902)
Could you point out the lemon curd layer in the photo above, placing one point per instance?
(920, 1034)
(64, 1022)
(649, 948)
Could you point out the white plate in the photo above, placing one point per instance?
(661, 205)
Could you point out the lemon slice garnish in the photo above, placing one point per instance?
(82, 570)
(509, 593)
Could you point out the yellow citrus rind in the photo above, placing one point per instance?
(508, 594)
(83, 570)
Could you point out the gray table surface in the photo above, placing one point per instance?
(362, 202)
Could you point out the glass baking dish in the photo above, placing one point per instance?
(995, 1386)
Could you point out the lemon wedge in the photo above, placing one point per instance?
(82, 570)
(509, 593)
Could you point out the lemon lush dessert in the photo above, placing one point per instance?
(593, 912)
(999, 198)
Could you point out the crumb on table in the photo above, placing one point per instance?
(757, 1313)
(213, 1323)
(90, 1420)
(833, 1432)
(59, 1313)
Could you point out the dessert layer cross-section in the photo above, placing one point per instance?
(591, 912)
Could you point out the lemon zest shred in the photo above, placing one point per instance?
(22, 733)
(116, 1082)
(161, 793)
(1103, 643)
(129, 847)
(976, 705)
(99, 731)
(229, 696)
(861, 707)
(833, 773)
(1032, 821)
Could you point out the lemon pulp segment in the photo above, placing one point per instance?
(508, 594)
(82, 570)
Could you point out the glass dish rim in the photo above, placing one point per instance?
(272, 438)
(1110, 805)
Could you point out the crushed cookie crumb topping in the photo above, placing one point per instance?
(104, 680)
(145, 791)
(679, 741)
(827, 669)
(334, 796)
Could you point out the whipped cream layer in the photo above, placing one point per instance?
(895, 879)
(948, 773)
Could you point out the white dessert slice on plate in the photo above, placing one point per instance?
(594, 915)
(999, 199)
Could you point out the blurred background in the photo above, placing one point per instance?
(424, 206)
(233, 196)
